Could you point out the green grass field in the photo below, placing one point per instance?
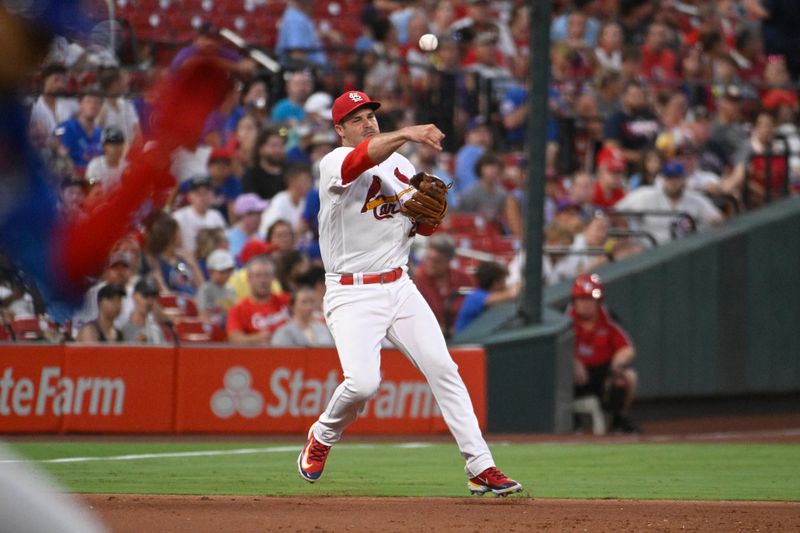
(547, 470)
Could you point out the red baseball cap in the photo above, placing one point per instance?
(255, 247)
(588, 286)
(349, 102)
(611, 158)
(220, 154)
(779, 97)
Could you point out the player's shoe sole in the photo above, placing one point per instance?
(480, 490)
(494, 481)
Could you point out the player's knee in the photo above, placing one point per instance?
(364, 387)
(439, 366)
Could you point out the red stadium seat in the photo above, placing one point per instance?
(26, 329)
(180, 26)
(193, 330)
(274, 10)
(6, 334)
(468, 223)
(505, 248)
(177, 305)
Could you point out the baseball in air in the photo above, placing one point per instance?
(428, 42)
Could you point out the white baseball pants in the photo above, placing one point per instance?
(359, 317)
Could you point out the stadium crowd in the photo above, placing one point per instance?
(666, 117)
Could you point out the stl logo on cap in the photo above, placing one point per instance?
(348, 102)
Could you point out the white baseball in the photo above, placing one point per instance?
(428, 42)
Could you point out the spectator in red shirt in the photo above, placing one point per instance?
(440, 284)
(254, 319)
(658, 60)
(608, 189)
(603, 353)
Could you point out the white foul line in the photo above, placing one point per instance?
(133, 457)
(198, 453)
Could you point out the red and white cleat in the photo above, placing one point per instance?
(311, 461)
(495, 481)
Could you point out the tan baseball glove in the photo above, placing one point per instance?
(428, 205)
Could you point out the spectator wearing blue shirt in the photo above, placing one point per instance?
(298, 38)
(559, 27)
(478, 140)
(514, 100)
(80, 135)
(290, 109)
(492, 289)
(225, 187)
(254, 101)
(514, 107)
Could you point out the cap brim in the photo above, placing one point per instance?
(371, 104)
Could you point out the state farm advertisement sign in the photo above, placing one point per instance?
(132, 389)
(141, 389)
(86, 389)
(27, 377)
(284, 390)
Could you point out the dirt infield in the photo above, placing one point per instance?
(196, 514)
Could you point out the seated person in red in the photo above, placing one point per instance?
(440, 285)
(254, 319)
(609, 187)
(603, 353)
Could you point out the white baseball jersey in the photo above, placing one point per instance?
(361, 228)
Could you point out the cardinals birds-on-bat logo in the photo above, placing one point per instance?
(402, 177)
(383, 206)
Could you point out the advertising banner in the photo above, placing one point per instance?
(29, 375)
(284, 391)
(141, 389)
(128, 389)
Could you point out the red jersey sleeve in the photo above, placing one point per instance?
(356, 163)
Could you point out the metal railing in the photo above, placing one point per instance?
(680, 218)
(625, 233)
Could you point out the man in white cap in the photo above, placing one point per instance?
(318, 108)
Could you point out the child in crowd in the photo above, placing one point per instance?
(214, 298)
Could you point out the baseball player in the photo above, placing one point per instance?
(603, 352)
(366, 188)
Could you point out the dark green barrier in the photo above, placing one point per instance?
(716, 313)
